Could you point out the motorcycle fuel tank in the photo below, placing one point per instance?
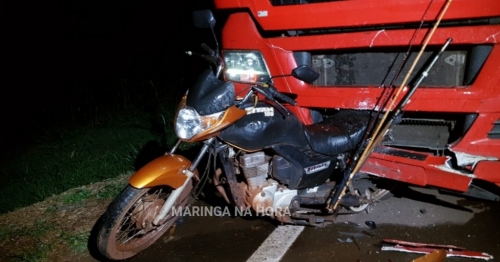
(263, 127)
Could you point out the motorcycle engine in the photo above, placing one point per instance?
(255, 168)
(266, 196)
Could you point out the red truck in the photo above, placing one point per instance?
(450, 132)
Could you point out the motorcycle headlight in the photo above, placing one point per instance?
(246, 66)
(189, 123)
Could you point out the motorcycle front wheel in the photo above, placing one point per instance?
(127, 226)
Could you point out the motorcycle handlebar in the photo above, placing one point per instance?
(264, 92)
(271, 93)
(276, 94)
(207, 48)
(212, 57)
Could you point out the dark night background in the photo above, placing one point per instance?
(62, 60)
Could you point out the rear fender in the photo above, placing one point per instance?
(164, 170)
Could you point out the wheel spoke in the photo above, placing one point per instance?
(139, 232)
(125, 228)
(128, 229)
(123, 233)
(129, 226)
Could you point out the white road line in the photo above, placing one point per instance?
(276, 245)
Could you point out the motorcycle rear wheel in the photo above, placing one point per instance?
(126, 227)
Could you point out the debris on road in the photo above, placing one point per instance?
(356, 243)
(366, 233)
(435, 256)
(423, 248)
(371, 224)
(348, 240)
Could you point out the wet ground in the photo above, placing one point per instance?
(415, 215)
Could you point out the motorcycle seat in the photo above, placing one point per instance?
(339, 133)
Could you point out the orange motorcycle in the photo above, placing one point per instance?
(266, 159)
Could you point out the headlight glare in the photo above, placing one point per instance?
(188, 123)
(246, 66)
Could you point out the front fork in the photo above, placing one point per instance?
(189, 173)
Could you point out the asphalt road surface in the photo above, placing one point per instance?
(413, 214)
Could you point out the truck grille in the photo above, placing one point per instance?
(457, 67)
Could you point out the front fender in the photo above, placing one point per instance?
(164, 170)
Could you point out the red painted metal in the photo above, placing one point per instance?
(415, 244)
(432, 171)
(482, 97)
(357, 13)
(488, 171)
(423, 248)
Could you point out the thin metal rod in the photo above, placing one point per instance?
(371, 145)
(424, 74)
(200, 155)
(174, 148)
(410, 93)
(384, 99)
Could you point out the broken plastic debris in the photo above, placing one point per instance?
(348, 240)
(423, 248)
(371, 224)
(435, 256)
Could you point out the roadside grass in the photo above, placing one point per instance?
(57, 179)
(54, 191)
(77, 241)
(70, 156)
(77, 197)
(56, 226)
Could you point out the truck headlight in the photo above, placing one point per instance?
(189, 123)
(246, 66)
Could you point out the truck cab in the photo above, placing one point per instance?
(449, 134)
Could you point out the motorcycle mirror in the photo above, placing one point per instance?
(204, 19)
(305, 74)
